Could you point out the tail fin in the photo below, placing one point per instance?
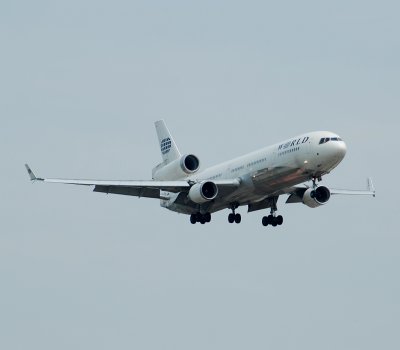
(169, 150)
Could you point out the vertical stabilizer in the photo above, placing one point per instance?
(169, 150)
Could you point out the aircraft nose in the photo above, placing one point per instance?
(340, 149)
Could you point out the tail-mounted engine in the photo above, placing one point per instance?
(203, 192)
(177, 169)
(316, 197)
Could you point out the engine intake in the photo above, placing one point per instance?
(177, 169)
(203, 192)
(190, 163)
(314, 198)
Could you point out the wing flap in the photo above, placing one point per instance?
(129, 191)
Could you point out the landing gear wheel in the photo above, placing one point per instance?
(272, 220)
(202, 218)
(231, 218)
(238, 218)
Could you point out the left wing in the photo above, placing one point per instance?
(369, 192)
(296, 193)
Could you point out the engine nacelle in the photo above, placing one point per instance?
(316, 197)
(178, 169)
(203, 192)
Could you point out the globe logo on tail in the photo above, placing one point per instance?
(165, 145)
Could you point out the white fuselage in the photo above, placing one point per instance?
(271, 170)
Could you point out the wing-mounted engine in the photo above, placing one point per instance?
(177, 169)
(316, 197)
(203, 192)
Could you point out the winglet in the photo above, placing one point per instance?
(31, 174)
(371, 186)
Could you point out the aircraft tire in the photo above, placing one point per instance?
(265, 221)
(231, 218)
(238, 218)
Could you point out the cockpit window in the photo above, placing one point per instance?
(327, 139)
(323, 140)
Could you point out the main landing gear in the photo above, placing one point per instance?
(234, 217)
(202, 218)
(272, 219)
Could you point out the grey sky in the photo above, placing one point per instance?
(81, 85)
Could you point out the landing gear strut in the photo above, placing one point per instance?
(234, 217)
(314, 185)
(202, 218)
(272, 219)
(314, 181)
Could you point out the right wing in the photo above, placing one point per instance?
(140, 188)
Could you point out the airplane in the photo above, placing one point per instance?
(255, 180)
